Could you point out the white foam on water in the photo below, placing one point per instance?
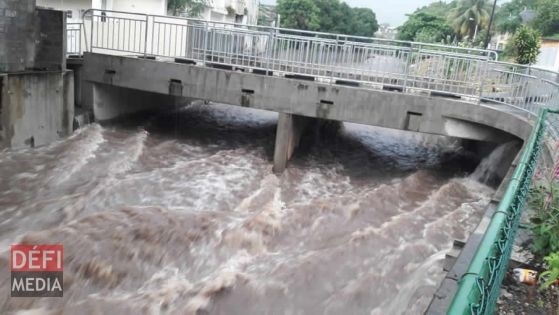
(491, 165)
(420, 276)
(84, 143)
(175, 224)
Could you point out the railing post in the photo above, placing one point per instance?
(91, 28)
(80, 40)
(482, 75)
(270, 49)
(205, 45)
(407, 67)
(85, 37)
(334, 57)
(146, 38)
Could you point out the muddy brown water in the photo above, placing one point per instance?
(180, 213)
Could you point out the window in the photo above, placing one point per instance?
(69, 14)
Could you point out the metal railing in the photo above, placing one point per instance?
(409, 67)
(328, 57)
(471, 74)
(76, 40)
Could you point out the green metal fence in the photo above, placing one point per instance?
(479, 287)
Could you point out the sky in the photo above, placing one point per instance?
(392, 12)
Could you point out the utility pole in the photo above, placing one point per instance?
(488, 37)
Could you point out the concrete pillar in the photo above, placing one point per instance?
(288, 134)
(36, 108)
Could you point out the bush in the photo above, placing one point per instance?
(544, 198)
(550, 276)
(526, 44)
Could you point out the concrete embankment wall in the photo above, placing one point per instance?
(36, 108)
(36, 90)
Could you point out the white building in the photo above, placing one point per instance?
(76, 8)
(549, 55)
(232, 11)
(165, 35)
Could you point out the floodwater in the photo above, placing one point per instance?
(180, 213)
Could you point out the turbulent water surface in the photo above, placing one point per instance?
(180, 213)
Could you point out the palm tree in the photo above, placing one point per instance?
(468, 14)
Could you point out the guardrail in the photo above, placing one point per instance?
(76, 40)
(409, 67)
(329, 57)
(470, 74)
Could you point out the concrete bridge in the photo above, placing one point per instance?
(135, 62)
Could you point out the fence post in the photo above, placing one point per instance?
(146, 38)
(482, 74)
(91, 29)
(407, 68)
(334, 57)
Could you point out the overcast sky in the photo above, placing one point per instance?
(387, 11)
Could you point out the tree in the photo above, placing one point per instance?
(331, 15)
(364, 22)
(299, 14)
(526, 45)
(440, 9)
(547, 17)
(424, 27)
(469, 13)
(507, 16)
(191, 8)
(338, 17)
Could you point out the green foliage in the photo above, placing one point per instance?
(469, 13)
(335, 16)
(440, 9)
(455, 19)
(266, 14)
(526, 44)
(507, 54)
(480, 39)
(363, 22)
(332, 16)
(552, 273)
(299, 14)
(553, 36)
(507, 17)
(544, 199)
(190, 8)
(425, 27)
(547, 17)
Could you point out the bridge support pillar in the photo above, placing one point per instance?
(288, 134)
